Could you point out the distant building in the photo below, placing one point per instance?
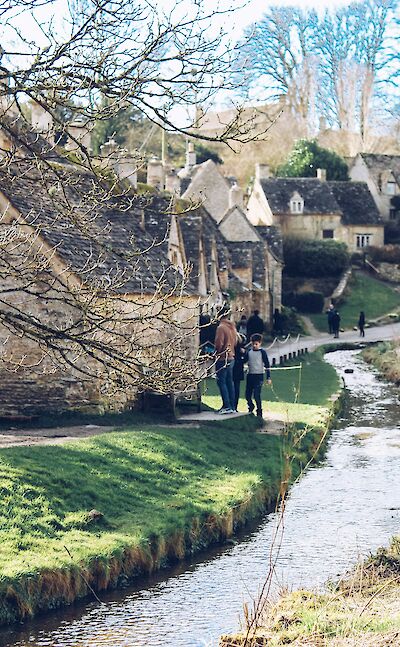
(246, 261)
(317, 209)
(382, 175)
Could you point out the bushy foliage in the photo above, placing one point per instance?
(307, 156)
(385, 254)
(204, 153)
(304, 301)
(392, 233)
(314, 258)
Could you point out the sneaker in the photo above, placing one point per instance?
(224, 410)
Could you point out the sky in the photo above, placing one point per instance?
(247, 12)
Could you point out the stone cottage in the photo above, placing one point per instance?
(92, 311)
(381, 173)
(252, 258)
(317, 209)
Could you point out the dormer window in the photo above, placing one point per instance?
(296, 203)
(390, 188)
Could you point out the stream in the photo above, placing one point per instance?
(340, 510)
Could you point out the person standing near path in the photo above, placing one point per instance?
(361, 323)
(336, 324)
(255, 325)
(257, 360)
(225, 341)
(330, 314)
(238, 368)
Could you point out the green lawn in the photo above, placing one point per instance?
(363, 293)
(296, 395)
(146, 482)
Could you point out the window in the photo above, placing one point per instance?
(390, 188)
(296, 203)
(327, 233)
(363, 240)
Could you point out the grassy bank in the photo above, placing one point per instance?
(362, 610)
(365, 293)
(95, 513)
(298, 395)
(386, 358)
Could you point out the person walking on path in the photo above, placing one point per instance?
(225, 341)
(336, 324)
(238, 368)
(330, 314)
(278, 320)
(361, 323)
(257, 360)
(255, 325)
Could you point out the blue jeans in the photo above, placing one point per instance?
(224, 370)
(253, 386)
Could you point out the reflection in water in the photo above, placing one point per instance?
(338, 511)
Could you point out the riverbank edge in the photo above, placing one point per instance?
(385, 357)
(362, 584)
(25, 597)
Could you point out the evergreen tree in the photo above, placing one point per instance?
(307, 156)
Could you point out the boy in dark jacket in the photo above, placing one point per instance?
(257, 360)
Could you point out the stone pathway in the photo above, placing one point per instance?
(14, 437)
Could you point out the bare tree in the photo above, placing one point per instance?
(82, 281)
(352, 47)
(277, 52)
(337, 65)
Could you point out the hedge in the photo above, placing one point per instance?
(304, 301)
(314, 258)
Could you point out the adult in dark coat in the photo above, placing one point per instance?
(361, 324)
(330, 314)
(278, 323)
(255, 325)
(336, 324)
(238, 368)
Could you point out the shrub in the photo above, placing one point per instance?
(291, 323)
(314, 258)
(304, 301)
(392, 233)
(385, 254)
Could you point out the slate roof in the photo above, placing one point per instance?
(318, 199)
(273, 236)
(351, 200)
(241, 255)
(356, 203)
(378, 164)
(27, 140)
(249, 254)
(98, 241)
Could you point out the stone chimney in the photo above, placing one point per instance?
(173, 183)
(262, 172)
(79, 131)
(190, 155)
(235, 196)
(155, 173)
(321, 174)
(42, 121)
(126, 168)
(109, 148)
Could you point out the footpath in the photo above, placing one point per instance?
(15, 437)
